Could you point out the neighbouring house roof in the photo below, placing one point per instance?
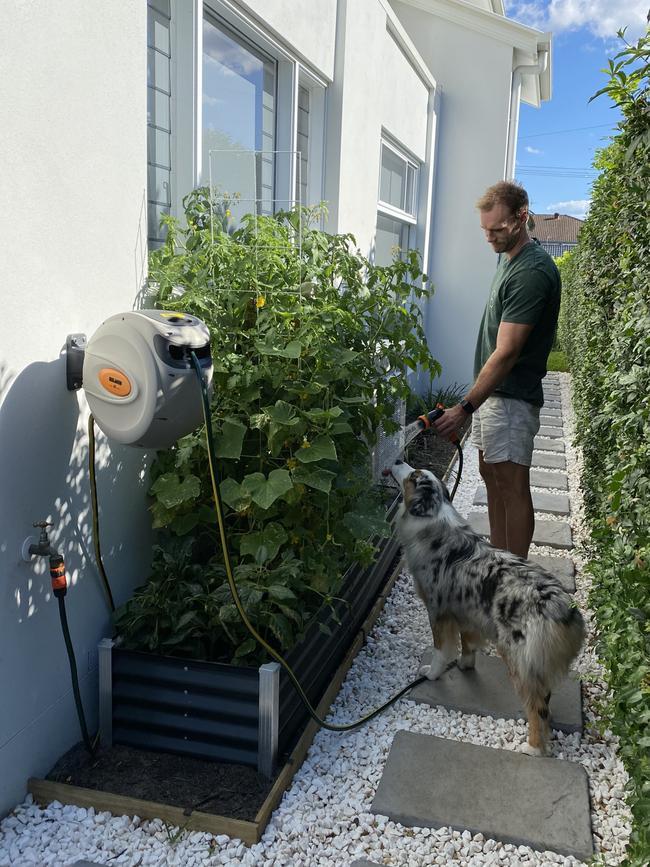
(556, 227)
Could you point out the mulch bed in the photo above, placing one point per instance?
(236, 791)
(428, 451)
(222, 789)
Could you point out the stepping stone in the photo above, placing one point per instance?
(552, 411)
(548, 445)
(541, 479)
(365, 863)
(549, 534)
(87, 864)
(431, 782)
(550, 421)
(487, 691)
(553, 432)
(554, 462)
(553, 504)
(562, 567)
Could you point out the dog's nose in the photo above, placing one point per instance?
(398, 462)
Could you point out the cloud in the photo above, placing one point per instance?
(602, 18)
(531, 150)
(573, 208)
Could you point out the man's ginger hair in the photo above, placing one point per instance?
(507, 193)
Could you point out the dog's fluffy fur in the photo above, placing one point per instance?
(486, 594)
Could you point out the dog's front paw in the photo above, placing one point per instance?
(529, 750)
(467, 661)
(430, 672)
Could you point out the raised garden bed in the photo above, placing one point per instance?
(176, 788)
(80, 780)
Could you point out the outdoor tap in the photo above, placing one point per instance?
(57, 566)
(42, 548)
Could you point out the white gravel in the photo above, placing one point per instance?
(324, 819)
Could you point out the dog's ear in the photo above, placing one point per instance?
(423, 498)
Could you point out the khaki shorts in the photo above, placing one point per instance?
(504, 428)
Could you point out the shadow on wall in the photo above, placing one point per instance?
(44, 476)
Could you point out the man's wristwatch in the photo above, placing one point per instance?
(467, 406)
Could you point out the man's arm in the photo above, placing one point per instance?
(511, 338)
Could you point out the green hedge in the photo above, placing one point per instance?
(605, 331)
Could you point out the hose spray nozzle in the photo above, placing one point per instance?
(428, 419)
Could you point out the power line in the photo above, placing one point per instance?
(561, 131)
(557, 171)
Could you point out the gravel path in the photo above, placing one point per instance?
(324, 819)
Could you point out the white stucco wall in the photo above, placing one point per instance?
(375, 88)
(72, 223)
(474, 75)
(307, 27)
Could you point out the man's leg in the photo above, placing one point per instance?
(496, 506)
(514, 498)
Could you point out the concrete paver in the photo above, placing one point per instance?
(551, 534)
(553, 504)
(553, 432)
(363, 862)
(553, 462)
(553, 411)
(551, 421)
(487, 691)
(539, 479)
(548, 445)
(562, 567)
(538, 802)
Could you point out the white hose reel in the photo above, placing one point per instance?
(138, 376)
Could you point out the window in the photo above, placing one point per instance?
(397, 206)
(158, 117)
(238, 123)
(231, 106)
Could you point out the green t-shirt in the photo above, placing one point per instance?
(525, 290)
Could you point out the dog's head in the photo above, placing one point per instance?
(424, 494)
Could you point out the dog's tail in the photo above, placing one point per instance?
(541, 661)
(551, 644)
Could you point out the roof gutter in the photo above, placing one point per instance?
(515, 96)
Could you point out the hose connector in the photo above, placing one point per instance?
(57, 575)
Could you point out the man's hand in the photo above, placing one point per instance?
(450, 422)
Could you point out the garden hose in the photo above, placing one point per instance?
(334, 727)
(60, 588)
(95, 510)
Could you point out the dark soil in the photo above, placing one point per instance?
(235, 791)
(429, 451)
(180, 781)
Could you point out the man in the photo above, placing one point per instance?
(515, 337)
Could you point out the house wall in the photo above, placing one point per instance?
(72, 223)
(473, 72)
(375, 88)
(308, 28)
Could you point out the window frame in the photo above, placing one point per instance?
(187, 94)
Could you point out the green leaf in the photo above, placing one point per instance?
(245, 648)
(280, 593)
(282, 413)
(229, 442)
(271, 538)
(293, 349)
(314, 477)
(365, 525)
(182, 524)
(172, 492)
(265, 491)
(321, 448)
(234, 495)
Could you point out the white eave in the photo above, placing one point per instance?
(526, 42)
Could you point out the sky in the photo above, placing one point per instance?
(557, 142)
